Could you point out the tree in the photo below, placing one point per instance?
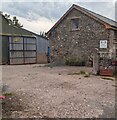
(14, 21)
(42, 34)
(8, 18)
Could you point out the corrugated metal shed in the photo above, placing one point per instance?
(12, 31)
(42, 46)
(12, 51)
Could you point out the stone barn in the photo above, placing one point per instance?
(79, 33)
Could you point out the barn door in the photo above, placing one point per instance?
(30, 50)
(22, 50)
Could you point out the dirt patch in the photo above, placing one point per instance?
(51, 92)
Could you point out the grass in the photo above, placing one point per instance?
(87, 75)
(82, 72)
(8, 94)
(74, 61)
(108, 78)
(74, 73)
(77, 73)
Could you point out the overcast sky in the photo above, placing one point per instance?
(41, 15)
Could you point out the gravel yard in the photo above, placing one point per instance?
(53, 92)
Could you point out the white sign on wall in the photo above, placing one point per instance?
(103, 43)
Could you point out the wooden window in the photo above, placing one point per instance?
(75, 23)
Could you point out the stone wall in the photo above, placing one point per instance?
(112, 43)
(81, 42)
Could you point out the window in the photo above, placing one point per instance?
(75, 23)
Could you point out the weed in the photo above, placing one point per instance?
(74, 62)
(75, 73)
(82, 72)
(8, 94)
(107, 78)
(87, 75)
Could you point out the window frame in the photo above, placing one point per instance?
(71, 25)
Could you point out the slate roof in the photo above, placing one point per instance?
(103, 18)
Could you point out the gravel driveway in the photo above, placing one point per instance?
(51, 92)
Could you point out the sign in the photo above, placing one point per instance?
(103, 43)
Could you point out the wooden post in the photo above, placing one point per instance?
(96, 62)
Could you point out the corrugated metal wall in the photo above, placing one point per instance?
(22, 50)
(42, 46)
(0, 50)
(14, 52)
(4, 50)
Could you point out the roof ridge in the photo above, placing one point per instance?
(102, 19)
(92, 12)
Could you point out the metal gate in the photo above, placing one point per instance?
(105, 62)
(22, 50)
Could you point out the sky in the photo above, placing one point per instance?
(40, 15)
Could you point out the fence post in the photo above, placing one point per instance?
(96, 62)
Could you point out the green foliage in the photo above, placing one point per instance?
(87, 76)
(82, 72)
(74, 62)
(108, 78)
(8, 94)
(98, 72)
(14, 21)
(74, 73)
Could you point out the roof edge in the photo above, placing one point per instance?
(16, 35)
(107, 25)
